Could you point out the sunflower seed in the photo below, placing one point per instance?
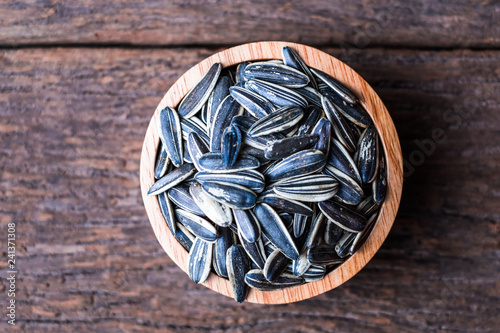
(314, 114)
(349, 191)
(315, 231)
(276, 73)
(167, 211)
(196, 147)
(368, 155)
(310, 188)
(278, 121)
(180, 196)
(161, 162)
(255, 251)
(213, 162)
(323, 255)
(275, 265)
(237, 267)
(255, 279)
(172, 178)
(343, 216)
(332, 233)
(302, 264)
(184, 236)
(287, 205)
(292, 59)
(255, 152)
(248, 225)
(240, 70)
(197, 225)
(362, 236)
(344, 244)
(312, 96)
(222, 244)
(194, 99)
(194, 124)
(255, 104)
(299, 224)
(276, 231)
(232, 195)
(187, 155)
(276, 94)
(341, 160)
(231, 144)
(338, 87)
(285, 147)
(171, 134)
(367, 206)
(220, 92)
(340, 126)
(354, 113)
(314, 273)
(287, 220)
(299, 164)
(252, 179)
(215, 211)
(199, 260)
(324, 133)
(228, 109)
(379, 185)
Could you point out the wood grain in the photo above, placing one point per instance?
(368, 98)
(71, 129)
(346, 24)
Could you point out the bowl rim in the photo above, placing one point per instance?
(387, 136)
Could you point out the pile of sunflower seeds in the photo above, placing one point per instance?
(270, 173)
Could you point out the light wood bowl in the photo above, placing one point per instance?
(368, 98)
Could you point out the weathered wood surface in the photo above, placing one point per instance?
(321, 22)
(71, 127)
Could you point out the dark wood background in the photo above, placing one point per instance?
(79, 81)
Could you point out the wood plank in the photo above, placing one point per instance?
(358, 23)
(72, 124)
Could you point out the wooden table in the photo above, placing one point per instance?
(79, 82)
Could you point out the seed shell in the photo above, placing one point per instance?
(171, 134)
(200, 260)
(167, 211)
(285, 147)
(232, 195)
(368, 155)
(276, 94)
(302, 163)
(255, 279)
(276, 263)
(338, 87)
(196, 97)
(277, 121)
(197, 225)
(252, 179)
(342, 216)
(237, 267)
(255, 104)
(215, 211)
(292, 59)
(276, 231)
(172, 178)
(223, 242)
(276, 73)
(248, 225)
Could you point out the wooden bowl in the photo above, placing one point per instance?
(368, 98)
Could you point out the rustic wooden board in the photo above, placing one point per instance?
(71, 129)
(359, 23)
(367, 97)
